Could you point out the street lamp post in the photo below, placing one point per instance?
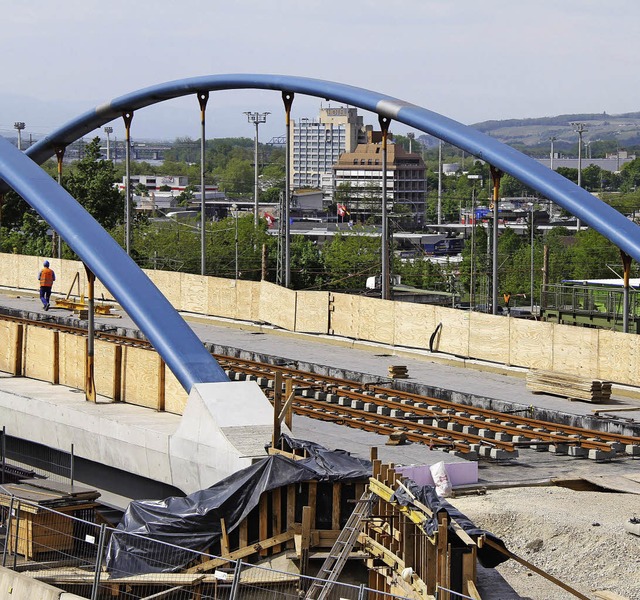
(532, 224)
(440, 182)
(234, 210)
(579, 128)
(472, 293)
(256, 118)
(19, 125)
(108, 131)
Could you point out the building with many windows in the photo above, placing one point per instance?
(358, 182)
(317, 146)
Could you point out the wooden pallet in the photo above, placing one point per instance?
(569, 386)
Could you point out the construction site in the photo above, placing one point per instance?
(348, 456)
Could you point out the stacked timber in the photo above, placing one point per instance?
(569, 386)
(398, 372)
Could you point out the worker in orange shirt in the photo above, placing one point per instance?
(46, 278)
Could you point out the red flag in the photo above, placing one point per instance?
(270, 219)
(342, 210)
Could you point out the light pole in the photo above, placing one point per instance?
(439, 182)
(19, 125)
(579, 128)
(108, 131)
(551, 156)
(411, 136)
(256, 118)
(234, 210)
(531, 223)
(472, 293)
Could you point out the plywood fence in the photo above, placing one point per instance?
(593, 353)
(122, 373)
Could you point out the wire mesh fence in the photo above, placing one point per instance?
(66, 548)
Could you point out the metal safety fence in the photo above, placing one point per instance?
(66, 548)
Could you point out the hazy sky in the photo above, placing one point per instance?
(471, 60)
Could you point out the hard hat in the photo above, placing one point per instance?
(46, 263)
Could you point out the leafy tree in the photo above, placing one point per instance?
(91, 183)
(306, 264)
(237, 177)
(423, 274)
(350, 258)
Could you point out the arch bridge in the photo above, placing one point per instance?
(172, 338)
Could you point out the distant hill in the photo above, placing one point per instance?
(604, 132)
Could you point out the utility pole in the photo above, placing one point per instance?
(256, 118)
(579, 128)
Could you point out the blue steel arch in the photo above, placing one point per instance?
(123, 278)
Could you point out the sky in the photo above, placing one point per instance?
(470, 60)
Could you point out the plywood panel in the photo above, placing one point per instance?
(10, 271)
(223, 300)
(72, 360)
(376, 320)
(414, 324)
(249, 299)
(344, 315)
(39, 353)
(575, 350)
(312, 315)
(175, 398)
(195, 293)
(27, 268)
(278, 305)
(169, 283)
(141, 376)
(489, 337)
(103, 370)
(619, 357)
(454, 334)
(8, 334)
(531, 344)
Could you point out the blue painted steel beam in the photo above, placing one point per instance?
(180, 348)
(595, 213)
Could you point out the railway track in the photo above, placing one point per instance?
(379, 408)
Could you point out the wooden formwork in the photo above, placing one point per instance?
(415, 552)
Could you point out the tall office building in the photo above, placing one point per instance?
(318, 144)
(358, 181)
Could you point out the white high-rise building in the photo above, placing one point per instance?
(317, 146)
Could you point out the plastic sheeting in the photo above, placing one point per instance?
(488, 557)
(193, 522)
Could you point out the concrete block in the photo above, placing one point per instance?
(454, 426)
(503, 436)
(560, 449)
(577, 451)
(384, 410)
(500, 454)
(407, 401)
(440, 423)
(396, 413)
(598, 455)
(477, 417)
(263, 382)
(370, 407)
(306, 393)
(332, 398)
(486, 433)
(357, 404)
(518, 439)
(470, 430)
(320, 395)
(539, 447)
(421, 405)
(381, 396)
(633, 528)
(344, 401)
(484, 451)
(462, 414)
(632, 449)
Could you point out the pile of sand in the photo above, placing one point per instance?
(578, 537)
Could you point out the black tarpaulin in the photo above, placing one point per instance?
(193, 522)
(488, 557)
